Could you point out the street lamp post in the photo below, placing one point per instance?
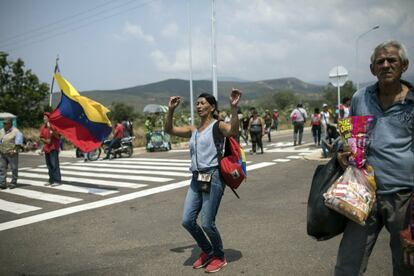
(190, 61)
(213, 49)
(356, 51)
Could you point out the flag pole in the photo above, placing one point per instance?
(53, 80)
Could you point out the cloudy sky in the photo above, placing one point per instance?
(110, 44)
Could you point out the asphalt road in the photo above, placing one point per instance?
(264, 232)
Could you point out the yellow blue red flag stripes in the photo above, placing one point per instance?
(79, 119)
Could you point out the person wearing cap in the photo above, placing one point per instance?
(11, 139)
(51, 147)
(391, 101)
(206, 187)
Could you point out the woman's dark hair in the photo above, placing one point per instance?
(212, 101)
(317, 110)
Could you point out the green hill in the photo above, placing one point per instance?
(159, 92)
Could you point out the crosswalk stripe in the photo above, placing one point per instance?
(115, 176)
(68, 188)
(87, 181)
(294, 157)
(161, 160)
(93, 168)
(42, 196)
(259, 166)
(91, 205)
(179, 150)
(16, 208)
(281, 160)
(114, 161)
(291, 150)
(304, 153)
(183, 169)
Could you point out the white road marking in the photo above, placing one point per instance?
(42, 196)
(108, 175)
(16, 208)
(305, 153)
(182, 164)
(283, 144)
(179, 150)
(92, 205)
(88, 181)
(183, 169)
(68, 188)
(95, 168)
(292, 150)
(294, 157)
(162, 160)
(281, 160)
(259, 166)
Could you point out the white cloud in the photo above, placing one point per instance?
(136, 31)
(170, 30)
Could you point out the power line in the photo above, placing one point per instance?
(42, 33)
(81, 26)
(71, 17)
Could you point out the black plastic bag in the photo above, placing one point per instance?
(324, 223)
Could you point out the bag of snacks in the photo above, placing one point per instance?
(353, 194)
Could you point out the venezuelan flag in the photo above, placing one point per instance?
(242, 161)
(79, 119)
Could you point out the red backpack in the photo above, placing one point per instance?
(232, 162)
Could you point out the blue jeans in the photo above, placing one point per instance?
(207, 204)
(52, 162)
(114, 144)
(316, 133)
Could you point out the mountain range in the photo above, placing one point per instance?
(159, 92)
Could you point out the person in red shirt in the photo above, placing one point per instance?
(51, 140)
(118, 134)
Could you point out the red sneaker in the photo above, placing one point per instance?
(202, 261)
(216, 264)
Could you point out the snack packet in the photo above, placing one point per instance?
(352, 195)
(355, 132)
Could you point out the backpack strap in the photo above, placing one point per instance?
(218, 138)
(219, 141)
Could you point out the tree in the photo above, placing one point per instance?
(284, 99)
(121, 111)
(331, 93)
(21, 93)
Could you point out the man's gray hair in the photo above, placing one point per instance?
(402, 52)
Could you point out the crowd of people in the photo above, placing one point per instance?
(390, 100)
